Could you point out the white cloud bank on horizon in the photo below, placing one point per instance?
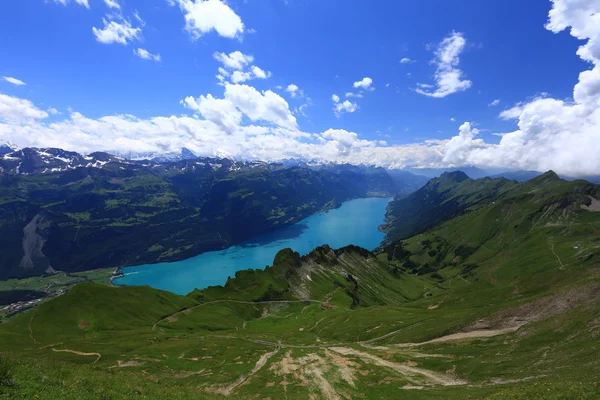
(552, 134)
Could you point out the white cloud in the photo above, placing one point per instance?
(16, 111)
(137, 17)
(340, 107)
(301, 110)
(254, 73)
(294, 90)
(512, 113)
(259, 73)
(453, 119)
(221, 112)
(335, 98)
(494, 103)
(146, 55)
(267, 106)
(112, 4)
(456, 153)
(204, 16)
(365, 83)
(449, 79)
(406, 60)
(119, 31)
(234, 60)
(351, 94)
(219, 131)
(552, 133)
(80, 2)
(14, 81)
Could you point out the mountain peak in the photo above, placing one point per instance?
(7, 148)
(454, 177)
(546, 177)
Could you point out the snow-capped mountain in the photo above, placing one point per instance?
(45, 161)
(184, 154)
(33, 160)
(6, 148)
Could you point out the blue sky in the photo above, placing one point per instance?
(321, 46)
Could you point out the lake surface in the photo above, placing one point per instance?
(355, 222)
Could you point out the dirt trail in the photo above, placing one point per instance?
(80, 353)
(228, 390)
(387, 335)
(31, 330)
(172, 317)
(562, 267)
(461, 336)
(407, 370)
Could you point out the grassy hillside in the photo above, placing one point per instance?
(500, 302)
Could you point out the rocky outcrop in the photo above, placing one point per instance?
(34, 237)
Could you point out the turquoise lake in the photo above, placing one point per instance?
(355, 222)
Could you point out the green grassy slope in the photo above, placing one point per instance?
(513, 279)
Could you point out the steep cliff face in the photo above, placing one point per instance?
(34, 237)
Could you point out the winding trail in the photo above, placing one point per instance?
(562, 267)
(228, 390)
(433, 377)
(462, 336)
(79, 353)
(231, 301)
(31, 330)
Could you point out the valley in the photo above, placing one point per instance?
(354, 222)
(110, 212)
(497, 298)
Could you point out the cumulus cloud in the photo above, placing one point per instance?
(512, 113)
(340, 107)
(234, 64)
(240, 100)
(146, 55)
(365, 83)
(494, 103)
(117, 30)
(14, 110)
(406, 60)
(204, 16)
(448, 78)
(234, 60)
(80, 2)
(216, 131)
(294, 91)
(14, 81)
(552, 134)
(254, 73)
(222, 112)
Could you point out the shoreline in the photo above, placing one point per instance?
(256, 241)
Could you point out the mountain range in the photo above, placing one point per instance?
(485, 289)
(65, 211)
